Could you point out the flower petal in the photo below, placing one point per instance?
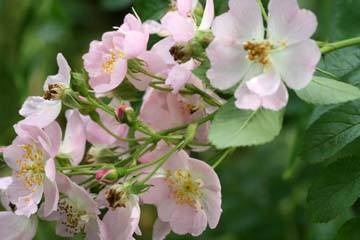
(208, 15)
(276, 101)
(185, 27)
(228, 64)
(13, 227)
(64, 73)
(40, 112)
(245, 99)
(75, 137)
(296, 63)
(178, 77)
(51, 197)
(181, 221)
(135, 43)
(287, 22)
(160, 230)
(264, 84)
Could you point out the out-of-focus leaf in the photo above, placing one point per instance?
(116, 4)
(151, 9)
(335, 190)
(200, 72)
(331, 132)
(350, 230)
(323, 91)
(233, 127)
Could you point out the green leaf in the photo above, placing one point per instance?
(332, 132)
(350, 230)
(322, 91)
(233, 127)
(151, 9)
(335, 190)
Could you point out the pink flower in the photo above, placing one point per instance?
(74, 142)
(41, 111)
(76, 212)
(31, 157)
(123, 215)
(106, 61)
(187, 194)
(12, 226)
(241, 53)
(164, 110)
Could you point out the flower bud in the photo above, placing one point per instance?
(126, 114)
(108, 175)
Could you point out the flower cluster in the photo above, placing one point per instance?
(138, 113)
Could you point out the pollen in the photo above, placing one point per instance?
(73, 219)
(117, 196)
(258, 51)
(108, 66)
(183, 187)
(31, 166)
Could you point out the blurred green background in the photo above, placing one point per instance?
(263, 198)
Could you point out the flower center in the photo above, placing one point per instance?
(31, 166)
(110, 60)
(258, 51)
(183, 187)
(117, 196)
(55, 91)
(73, 219)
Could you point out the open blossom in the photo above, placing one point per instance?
(164, 110)
(242, 53)
(187, 194)
(107, 60)
(12, 226)
(76, 212)
(122, 218)
(174, 50)
(31, 157)
(41, 111)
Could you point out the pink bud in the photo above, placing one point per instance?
(107, 175)
(121, 111)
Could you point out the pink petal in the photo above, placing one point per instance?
(160, 230)
(185, 27)
(208, 17)
(265, 84)
(245, 99)
(296, 63)
(184, 7)
(289, 23)
(63, 76)
(181, 221)
(135, 43)
(5, 182)
(199, 223)
(276, 101)
(243, 22)
(133, 22)
(95, 230)
(53, 131)
(159, 192)
(51, 197)
(228, 64)
(13, 227)
(162, 49)
(212, 207)
(40, 112)
(177, 77)
(75, 137)
(206, 173)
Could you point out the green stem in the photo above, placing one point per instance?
(79, 173)
(100, 123)
(209, 99)
(226, 153)
(329, 47)
(80, 167)
(326, 73)
(160, 161)
(261, 5)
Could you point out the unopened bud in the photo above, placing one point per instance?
(126, 114)
(108, 175)
(181, 52)
(55, 91)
